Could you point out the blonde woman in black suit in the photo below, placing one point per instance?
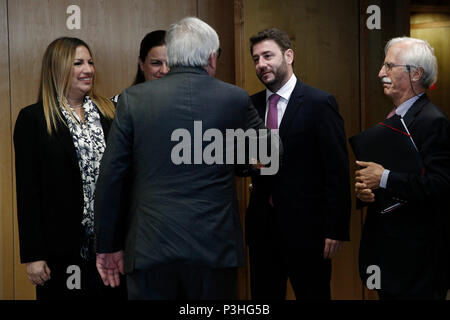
(59, 142)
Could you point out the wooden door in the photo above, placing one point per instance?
(6, 194)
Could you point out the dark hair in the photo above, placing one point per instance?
(277, 35)
(152, 39)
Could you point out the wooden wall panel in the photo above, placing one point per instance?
(113, 29)
(331, 53)
(6, 206)
(220, 15)
(374, 104)
(394, 23)
(425, 26)
(325, 41)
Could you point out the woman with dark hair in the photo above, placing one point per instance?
(152, 61)
(59, 142)
(152, 57)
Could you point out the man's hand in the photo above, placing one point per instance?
(38, 272)
(370, 174)
(109, 265)
(332, 247)
(363, 193)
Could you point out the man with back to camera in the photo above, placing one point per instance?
(409, 244)
(183, 237)
(296, 220)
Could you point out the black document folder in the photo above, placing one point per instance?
(388, 143)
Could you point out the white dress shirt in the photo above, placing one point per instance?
(285, 93)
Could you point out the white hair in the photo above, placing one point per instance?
(419, 54)
(190, 43)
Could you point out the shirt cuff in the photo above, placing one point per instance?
(384, 178)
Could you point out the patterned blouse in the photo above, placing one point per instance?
(89, 142)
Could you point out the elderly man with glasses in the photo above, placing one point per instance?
(409, 244)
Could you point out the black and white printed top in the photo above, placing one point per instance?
(89, 141)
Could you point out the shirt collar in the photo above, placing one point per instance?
(402, 109)
(286, 90)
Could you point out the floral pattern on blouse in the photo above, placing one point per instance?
(89, 141)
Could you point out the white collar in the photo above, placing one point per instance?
(402, 109)
(286, 90)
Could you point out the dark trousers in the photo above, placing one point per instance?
(63, 284)
(180, 281)
(271, 265)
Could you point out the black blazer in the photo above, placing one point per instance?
(311, 192)
(408, 244)
(49, 187)
(185, 212)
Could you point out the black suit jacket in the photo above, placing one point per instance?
(408, 244)
(311, 192)
(184, 212)
(49, 187)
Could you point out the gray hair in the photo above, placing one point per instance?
(419, 54)
(190, 42)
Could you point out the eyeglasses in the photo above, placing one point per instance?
(219, 51)
(389, 66)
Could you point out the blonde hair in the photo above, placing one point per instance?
(56, 74)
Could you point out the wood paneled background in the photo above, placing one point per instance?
(6, 189)
(435, 28)
(334, 51)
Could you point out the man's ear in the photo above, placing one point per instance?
(417, 74)
(289, 56)
(212, 64)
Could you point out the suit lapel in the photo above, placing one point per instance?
(292, 108)
(106, 125)
(259, 101)
(417, 106)
(66, 140)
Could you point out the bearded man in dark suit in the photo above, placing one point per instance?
(296, 220)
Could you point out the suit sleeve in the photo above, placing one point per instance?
(28, 188)
(335, 163)
(434, 184)
(110, 216)
(253, 120)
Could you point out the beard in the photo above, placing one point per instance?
(279, 75)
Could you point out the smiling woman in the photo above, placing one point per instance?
(152, 57)
(81, 80)
(59, 142)
(152, 61)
